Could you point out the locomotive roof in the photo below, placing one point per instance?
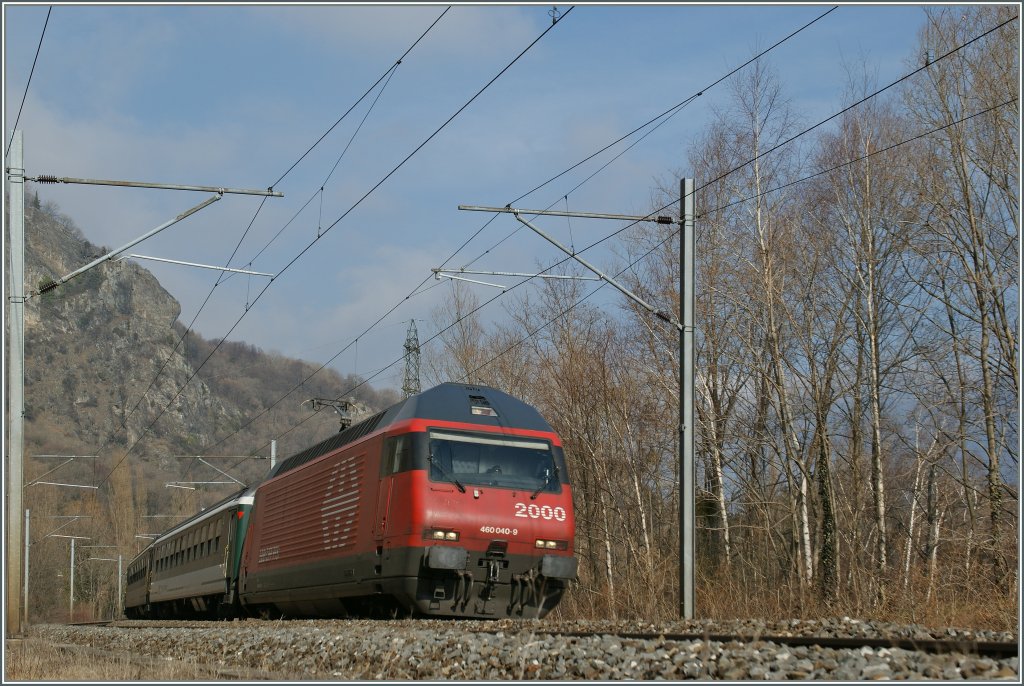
(450, 402)
(455, 402)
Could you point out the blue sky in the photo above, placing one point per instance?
(233, 95)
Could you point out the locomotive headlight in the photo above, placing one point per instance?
(441, 535)
(551, 545)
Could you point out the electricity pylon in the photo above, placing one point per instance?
(411, 384)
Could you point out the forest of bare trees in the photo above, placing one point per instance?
(856, 365)
(857, 381)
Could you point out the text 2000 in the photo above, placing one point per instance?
(534, 511)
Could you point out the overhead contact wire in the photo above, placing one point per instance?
(332, 225)
(856, 104)
(29, 82)
(676, 106)
(221, 277)
(368, 91)
(675, 233)
(657, 246)
(673, 202)
(664, 116)
(389, 174)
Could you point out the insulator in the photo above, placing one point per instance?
(46, 178)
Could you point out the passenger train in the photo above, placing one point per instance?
(454, 502)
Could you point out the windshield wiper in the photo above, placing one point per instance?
(445, 473)
(548, 473)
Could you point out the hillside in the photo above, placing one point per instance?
(93, 348)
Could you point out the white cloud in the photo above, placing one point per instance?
(464, 31)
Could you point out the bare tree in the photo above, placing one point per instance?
(969, 190)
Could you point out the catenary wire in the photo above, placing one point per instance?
(644, 255)
(221, 277)
(715, 180)
(399, 303)
(320, 191)
(664, 117)
(859, 159)
(674, 233)
(332, 225)
(677, 106)
(671, 235)
(369, 90)
(793, 138)
(373, 189)
(319, 232)
(830, 118)
(29, 82)
(588, 178)
(856, 104)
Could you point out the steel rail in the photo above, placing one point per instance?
(997, 649)
(993, 649)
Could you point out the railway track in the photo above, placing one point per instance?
(993, 649)
(407, 649)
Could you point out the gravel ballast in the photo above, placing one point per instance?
(438, 649)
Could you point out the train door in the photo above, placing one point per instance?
(394, 458)
(383, 507)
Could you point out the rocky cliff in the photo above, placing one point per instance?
(95, 345)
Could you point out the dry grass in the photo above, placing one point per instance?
(38, 660)
(977, 603)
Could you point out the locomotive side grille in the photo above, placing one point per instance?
(354, 432)
(339, 513)
(316, 512)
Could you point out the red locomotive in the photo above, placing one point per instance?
(453, 502)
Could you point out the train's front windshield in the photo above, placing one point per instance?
(484, 461)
